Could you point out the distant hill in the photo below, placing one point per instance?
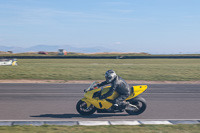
(54, 48)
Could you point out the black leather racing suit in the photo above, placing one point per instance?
(120, 86)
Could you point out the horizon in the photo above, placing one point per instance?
(38, 48)
(155, 27)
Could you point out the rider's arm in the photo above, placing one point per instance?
(102, 84)
(109, 93)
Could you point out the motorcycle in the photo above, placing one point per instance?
(91, 102)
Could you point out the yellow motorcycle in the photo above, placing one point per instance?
(91, 102)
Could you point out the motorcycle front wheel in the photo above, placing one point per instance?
(141, 105)
(82, 108)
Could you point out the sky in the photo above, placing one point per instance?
(152, 26)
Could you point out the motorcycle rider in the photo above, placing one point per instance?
(120, 86)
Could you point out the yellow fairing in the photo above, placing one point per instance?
(137, 90)
(104, 104)
(101, 104)
(89, 94)
(113, 96)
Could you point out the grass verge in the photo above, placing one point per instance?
(94, 69)
(102, 129)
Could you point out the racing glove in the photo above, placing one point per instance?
(96, 86)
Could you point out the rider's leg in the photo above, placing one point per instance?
(120, 103)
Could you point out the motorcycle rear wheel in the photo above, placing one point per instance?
(82, 109)
(140, 103)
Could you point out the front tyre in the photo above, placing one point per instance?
(141, 105)
(81, 107)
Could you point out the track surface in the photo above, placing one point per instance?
(58, 102)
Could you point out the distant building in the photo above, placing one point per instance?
(62, 52)
(10, 52)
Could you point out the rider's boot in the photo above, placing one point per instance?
(121, 106)
(127, 106)
(116, 107)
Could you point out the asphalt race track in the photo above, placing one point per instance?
(58, 102)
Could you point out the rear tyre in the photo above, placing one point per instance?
(140, 103)
(81, 108)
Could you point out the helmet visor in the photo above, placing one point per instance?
(108, 78)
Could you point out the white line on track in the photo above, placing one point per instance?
(83, 93)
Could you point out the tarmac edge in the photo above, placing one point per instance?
(99, 123)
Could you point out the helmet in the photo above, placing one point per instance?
(110, 76)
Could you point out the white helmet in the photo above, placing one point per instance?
(110, 76)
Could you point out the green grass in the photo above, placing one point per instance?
(103, 129)
(94, 69)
